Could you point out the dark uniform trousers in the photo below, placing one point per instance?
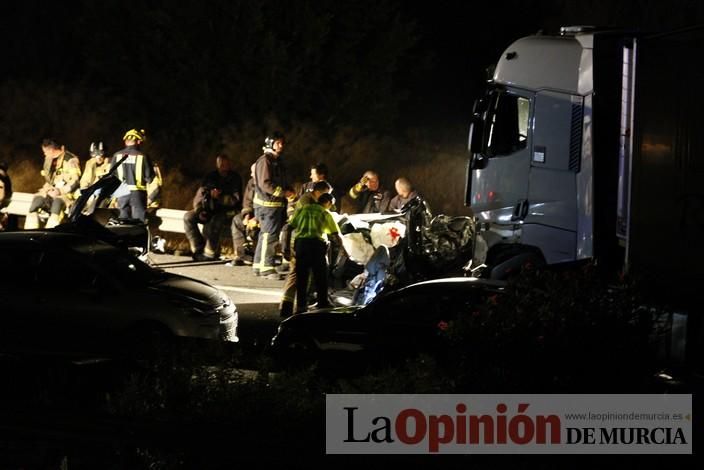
(311, 255)
(133, 205)
(271, 220)
(208, 242)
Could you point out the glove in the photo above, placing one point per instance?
(252, 223)
(361, 185)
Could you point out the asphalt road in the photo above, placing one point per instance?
(257, 299)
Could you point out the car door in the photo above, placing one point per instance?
(19, 305)
(80, 303)
(405, 322)
(499, 176)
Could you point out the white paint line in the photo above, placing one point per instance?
(245, 290)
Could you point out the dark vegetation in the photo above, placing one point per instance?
(358, 84)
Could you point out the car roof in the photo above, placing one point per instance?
(46, 238)
(468, 281)
(451, 284)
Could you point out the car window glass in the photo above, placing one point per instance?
(64, 271)
(125, 268)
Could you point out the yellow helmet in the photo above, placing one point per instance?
(135, 134)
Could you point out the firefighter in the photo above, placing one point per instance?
(96, 166)
(269, 204)
(135, 170)
(61, 172)
(154, 189)
(244, 225)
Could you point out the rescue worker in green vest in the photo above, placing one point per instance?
(289, 293)
(313, 223)
(269, 204)
(61, 172)
(136, 171)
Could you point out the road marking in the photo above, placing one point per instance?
(250, 291)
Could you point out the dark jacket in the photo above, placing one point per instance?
(368, 201)
(136, 171)
(398, 202)
(205, 205)
(231, 186)
(269, 181)
(248, 199)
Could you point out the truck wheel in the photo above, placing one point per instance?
(506, 264)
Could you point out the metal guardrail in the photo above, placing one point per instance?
(171, 219)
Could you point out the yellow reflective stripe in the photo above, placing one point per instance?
(277, 192)
(138, 171)
(263, 203)
(353, 194)
(262, 259)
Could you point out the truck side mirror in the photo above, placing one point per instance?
(478, 161)
(476, 125)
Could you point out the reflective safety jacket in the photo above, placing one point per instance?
(136, 171)
(248, 198)
(62, 173)
(93, 171)
(269, 181)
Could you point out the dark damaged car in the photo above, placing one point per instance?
(70, 293)
(395, 324)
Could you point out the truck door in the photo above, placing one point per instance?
(555, 154)
(498, 179)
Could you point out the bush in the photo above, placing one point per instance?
(556, 331)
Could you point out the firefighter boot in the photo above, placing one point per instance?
(54, 220)
(31, 221)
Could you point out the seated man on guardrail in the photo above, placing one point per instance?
(61, 172)
(214, 204)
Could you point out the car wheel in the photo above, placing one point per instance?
(301, 350)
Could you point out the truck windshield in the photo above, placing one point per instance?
(506, 129)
